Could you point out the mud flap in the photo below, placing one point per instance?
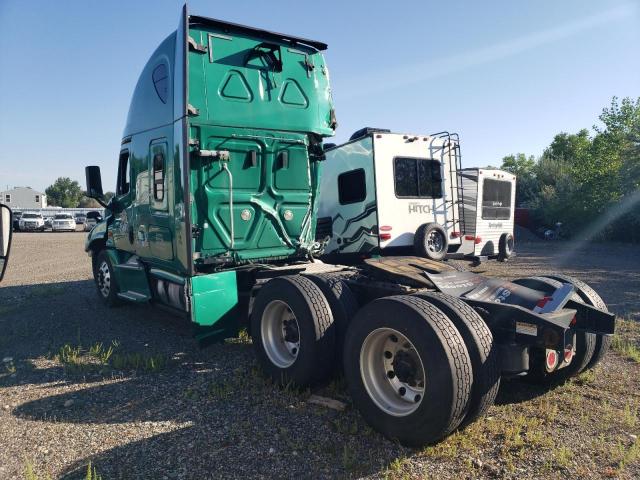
(214, 307)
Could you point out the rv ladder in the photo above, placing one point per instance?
(454, 165)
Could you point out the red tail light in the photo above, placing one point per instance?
(455, 234)
(385, 236)
(385, 228)
(477, 240)
(543, 301)
(469, 237)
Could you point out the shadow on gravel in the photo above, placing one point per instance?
(37, 320)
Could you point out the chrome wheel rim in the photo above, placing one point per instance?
(435, 242)
(509, 245)
(280, 334)
(104, 279)
(392, 372)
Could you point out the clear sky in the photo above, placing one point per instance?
(505, 75)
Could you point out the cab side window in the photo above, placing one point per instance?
(158, 167)
(158, 176)
(124, 175)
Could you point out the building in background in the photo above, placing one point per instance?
(23, 198)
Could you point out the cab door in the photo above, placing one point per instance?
(159, 234)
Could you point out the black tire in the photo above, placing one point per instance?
(585, 342)
(439, 345)
(105, 280)
(343, 306)
(505, 247)
(424, 241)
(479, 341)
(590, 297)
(312, 361)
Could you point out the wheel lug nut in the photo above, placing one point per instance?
(391, 374)
(388, 354)
(417, 398)
(402, 391)
(393, 338)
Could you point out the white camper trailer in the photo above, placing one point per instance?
(389, 193)
(487, 211)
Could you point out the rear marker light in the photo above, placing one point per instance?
(552, 359)
(478, 240)
(455, 234)
(385, 236)
(385, 228)
(469, 237)
(568, 354)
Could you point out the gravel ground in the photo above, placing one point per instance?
(160, 407)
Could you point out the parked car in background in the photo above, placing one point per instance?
(93, 218)
(63, 222)
(81, 218)
(48, 222)
(96, 215)
(16, 221)
(31, 222)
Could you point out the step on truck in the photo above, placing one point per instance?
(214, 218)
(387, 193)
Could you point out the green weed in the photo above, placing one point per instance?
(626, 348)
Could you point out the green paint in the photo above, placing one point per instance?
(269, 117)
(214, 299)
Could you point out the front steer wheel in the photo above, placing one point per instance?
(105, 280)
(407, 369)
(293, 332)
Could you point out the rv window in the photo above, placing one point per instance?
(351, 187)
(158, 176)
(496, 200)
(123, 173)
(417, 178)
(161, 81)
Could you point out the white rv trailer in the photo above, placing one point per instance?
(380, 188)
(390, 193)
(488, 209)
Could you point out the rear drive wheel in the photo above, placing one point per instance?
(479, 341)
(343, 306)
(407, 369)
(590, 297)
(105, 280)
(292, 331)
(584, 345)
(430, 241)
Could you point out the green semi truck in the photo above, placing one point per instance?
(214, 218)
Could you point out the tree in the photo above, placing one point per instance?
(523, 168)
(87, 202)
(64, 193)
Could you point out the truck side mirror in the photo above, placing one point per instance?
(94, 182)
(6, 232)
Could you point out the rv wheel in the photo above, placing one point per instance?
(292, 331)
(589, 296)
(584, 347)
(479, 341)
(505, 247)
(430, 241)
(407, 369)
